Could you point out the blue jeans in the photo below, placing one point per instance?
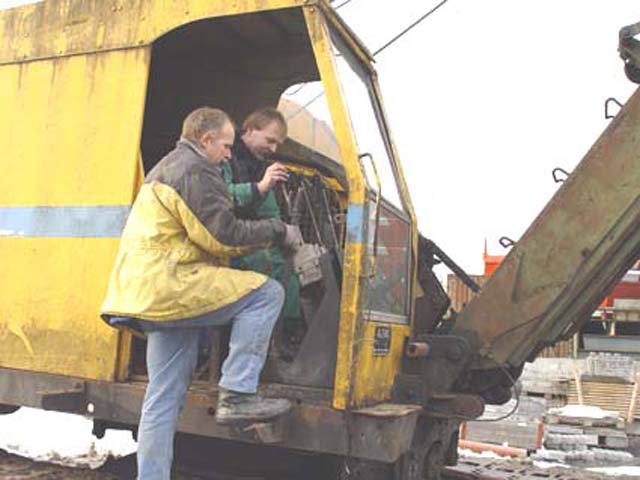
(172, 351)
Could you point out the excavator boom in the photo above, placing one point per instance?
(580, 245)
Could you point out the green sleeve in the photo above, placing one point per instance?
(269, 207)
(244, 195)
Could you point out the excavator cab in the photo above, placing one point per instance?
(105, 86)
(346, 191)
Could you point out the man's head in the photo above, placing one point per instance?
(212, 131)
(263, 131)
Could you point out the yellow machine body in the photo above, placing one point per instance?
(75, 81)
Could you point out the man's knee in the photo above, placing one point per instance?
(274, 291)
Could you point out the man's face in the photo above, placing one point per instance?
(217, 144)
(263, 143)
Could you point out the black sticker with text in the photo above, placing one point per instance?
(382, 340)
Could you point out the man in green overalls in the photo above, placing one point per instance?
(251, 179)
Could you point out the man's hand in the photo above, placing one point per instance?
(293, 238)
(275, 173)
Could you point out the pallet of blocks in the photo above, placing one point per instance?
(548, 378)
(554, 392)
(608, 393)
(583, 427)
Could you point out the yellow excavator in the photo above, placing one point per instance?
(92, 95)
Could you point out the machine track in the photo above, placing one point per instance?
(13, 467)
(485, 469)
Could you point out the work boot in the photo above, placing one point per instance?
(236, 407)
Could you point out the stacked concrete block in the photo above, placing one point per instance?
(604, 364)
(585, 433)
(591, 455)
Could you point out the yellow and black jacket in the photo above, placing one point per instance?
(176, 245)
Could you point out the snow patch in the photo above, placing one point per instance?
(587, 411)
(617, 471)
(61, 438)
(463, 452)
(545, 464)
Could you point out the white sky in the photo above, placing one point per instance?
(485, 98)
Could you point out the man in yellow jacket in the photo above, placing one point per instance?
(171, 279)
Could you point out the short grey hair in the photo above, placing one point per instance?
(203, 120)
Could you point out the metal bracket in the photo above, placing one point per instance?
(556, 177)
(412, 390)
(268, 432)
(506, 242)
(424, 377)
(608, 102)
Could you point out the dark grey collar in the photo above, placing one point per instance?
(195, 149)
(188, 143)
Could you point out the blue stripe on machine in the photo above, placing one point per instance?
(100, 221)
(355, 223)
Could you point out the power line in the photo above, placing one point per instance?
(389, 43)
(343, 4)
(409, 28)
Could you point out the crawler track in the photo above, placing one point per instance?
(481, 469)
(13, 467)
